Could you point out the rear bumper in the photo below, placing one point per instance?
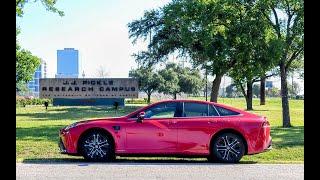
(260, 143)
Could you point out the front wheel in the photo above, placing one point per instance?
(227, 148)
(97, 146)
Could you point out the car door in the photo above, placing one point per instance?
(157, 133)
(195, 127)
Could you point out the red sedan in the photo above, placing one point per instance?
(170, 128)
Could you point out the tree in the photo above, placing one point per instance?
(264, 76)
(301, 75)
(293, 89)
(102, 72)
(22, 88)
(48, 4)
(17, 41)
(149, 81)
(26, 65)
(232, 91)
(255, 50)
(256, 90)
(170, 82)
(196, 29)
(290, 32)
(177, 80)
(263, 90)
(273, 92)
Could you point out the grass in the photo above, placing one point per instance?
(37, 131)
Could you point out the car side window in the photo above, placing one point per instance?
(226, 112)
(212, 111)
(195, 109)
(163, 110)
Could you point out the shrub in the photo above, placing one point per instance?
(23, 101)
(136, 101)
(299, 97)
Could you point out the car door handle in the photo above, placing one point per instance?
(211, 122)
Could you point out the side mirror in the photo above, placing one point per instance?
(140, 117)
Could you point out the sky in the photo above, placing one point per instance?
(97, 28)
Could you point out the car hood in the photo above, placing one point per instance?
(111, 119)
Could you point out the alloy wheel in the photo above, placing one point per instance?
(96, 146)
(229, 148)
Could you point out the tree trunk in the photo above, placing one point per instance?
(263, 91)
(284, 97)
(215, 88)
(175, 96)
(148, 100)
(249, 96)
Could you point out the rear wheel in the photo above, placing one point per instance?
(97, 146)
(227, 148)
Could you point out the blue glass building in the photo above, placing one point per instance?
(33, 85)
(67, 63)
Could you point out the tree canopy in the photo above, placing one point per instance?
(171, 80)
(48, 4)
(26, 65)
(148, 80)
(244, 39)
(286, 17)
(26, 62)
(211, 33)
(177, 80)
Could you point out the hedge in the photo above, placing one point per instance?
(22, 101)
(136, 101)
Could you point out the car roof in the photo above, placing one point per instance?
(209, 102)
(198, 101)
(201, 101)
(184, 100)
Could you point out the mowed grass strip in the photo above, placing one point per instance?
(37, 131)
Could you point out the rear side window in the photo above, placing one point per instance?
(212, 111)
(226, 112)
(195, 109)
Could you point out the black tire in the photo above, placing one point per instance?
(227, 148)
(97, 146)
(211, 159)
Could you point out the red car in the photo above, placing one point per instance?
(170, 128)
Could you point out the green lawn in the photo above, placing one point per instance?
(37, 130)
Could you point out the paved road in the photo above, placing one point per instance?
(158, 171)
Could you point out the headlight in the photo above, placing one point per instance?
(71, 126)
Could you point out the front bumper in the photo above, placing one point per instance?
(66, 143)
(62, 148)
